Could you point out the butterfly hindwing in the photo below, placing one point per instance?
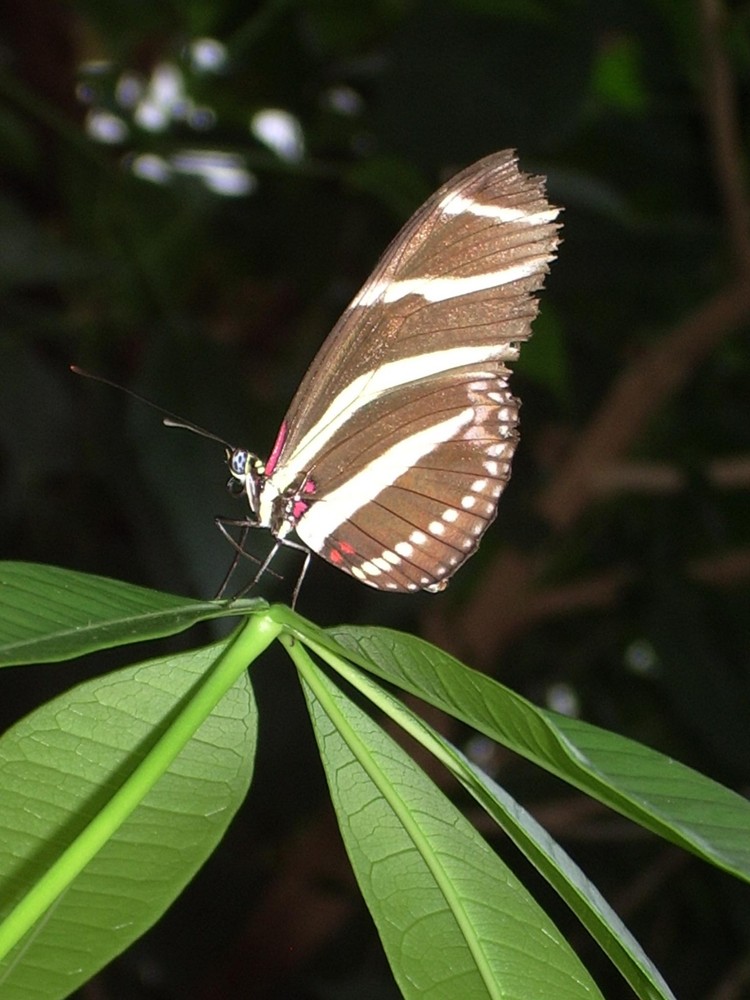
(416, 531)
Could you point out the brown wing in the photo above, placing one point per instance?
(458, 278)
(416, 530)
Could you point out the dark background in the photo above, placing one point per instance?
(615, 581)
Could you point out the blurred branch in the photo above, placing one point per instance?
(725, 570)
(720, 108)
(734, 982)
(517, 606)
(507, 603)
(661, 477)
(639, 393)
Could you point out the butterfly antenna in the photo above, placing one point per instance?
(169, 419)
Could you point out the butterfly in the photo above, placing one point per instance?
(398, 443)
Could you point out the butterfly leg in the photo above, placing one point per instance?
(223, 524)
(303, 571)
(287, 544)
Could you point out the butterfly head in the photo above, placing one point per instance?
(247, 476)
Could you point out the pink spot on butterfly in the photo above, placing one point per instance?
(347, 548)
(335, 557)
(299, 508)
(273, 458)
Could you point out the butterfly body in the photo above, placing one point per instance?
(399, 441)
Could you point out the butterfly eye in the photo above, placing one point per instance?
(240, 462)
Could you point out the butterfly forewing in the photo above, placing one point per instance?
(457, 279)
(403, 429)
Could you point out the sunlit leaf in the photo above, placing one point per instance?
(60, 765)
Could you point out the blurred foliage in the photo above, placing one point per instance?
(209, 290)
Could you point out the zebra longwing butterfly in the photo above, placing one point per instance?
(394, 452)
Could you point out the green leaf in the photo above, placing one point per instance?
(453, 919)
(49, 614)
(664, 796)
(543, 852)
(60, 766)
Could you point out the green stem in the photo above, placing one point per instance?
(249, 642)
